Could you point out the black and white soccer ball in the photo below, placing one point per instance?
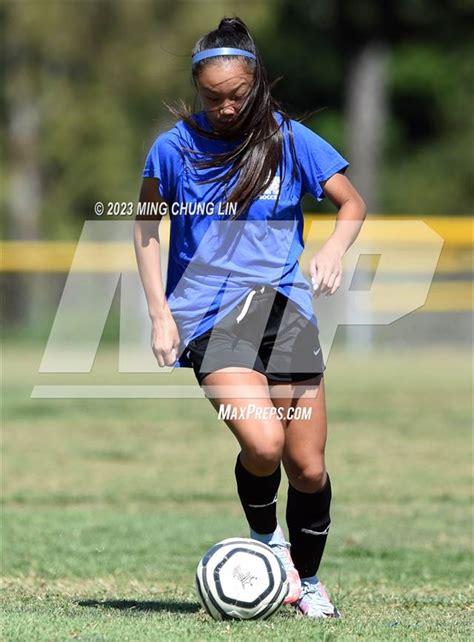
(241, 579)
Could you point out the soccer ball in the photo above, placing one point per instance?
(240, 579)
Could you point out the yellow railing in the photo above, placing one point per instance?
(57, 256)
(453, 292)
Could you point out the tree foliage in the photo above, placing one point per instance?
(87, 80)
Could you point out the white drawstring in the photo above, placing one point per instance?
(248, 301)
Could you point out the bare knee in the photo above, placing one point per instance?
(309, 478)
(262, 458)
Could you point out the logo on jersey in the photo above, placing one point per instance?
(271, 193)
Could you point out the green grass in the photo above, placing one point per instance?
(109, 504)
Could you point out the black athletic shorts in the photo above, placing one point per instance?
(264, 332)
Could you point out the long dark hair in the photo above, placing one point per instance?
(256, 158)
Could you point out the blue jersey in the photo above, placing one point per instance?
(214, 261)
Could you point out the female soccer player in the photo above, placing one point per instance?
(237, 308)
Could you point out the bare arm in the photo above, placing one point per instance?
(165, 336)
(326, 265)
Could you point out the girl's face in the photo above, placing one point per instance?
(223, 88)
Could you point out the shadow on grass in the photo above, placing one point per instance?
(128, 605)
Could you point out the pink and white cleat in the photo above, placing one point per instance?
(281, 548)
(314, 600)
(282, 551)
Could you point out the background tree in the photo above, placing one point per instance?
(83, 87)
(414, 59)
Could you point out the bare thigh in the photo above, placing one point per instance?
(305, 437)
(255, 425)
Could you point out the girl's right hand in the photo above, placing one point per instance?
(165, 340)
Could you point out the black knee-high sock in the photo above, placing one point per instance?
(258, 497)
(308, 519)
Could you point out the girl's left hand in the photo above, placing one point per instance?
(326, 269)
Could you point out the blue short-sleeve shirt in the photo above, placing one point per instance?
(214, 261)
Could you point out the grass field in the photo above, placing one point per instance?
(109, 504)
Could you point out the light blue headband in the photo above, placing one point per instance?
(221, 51)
